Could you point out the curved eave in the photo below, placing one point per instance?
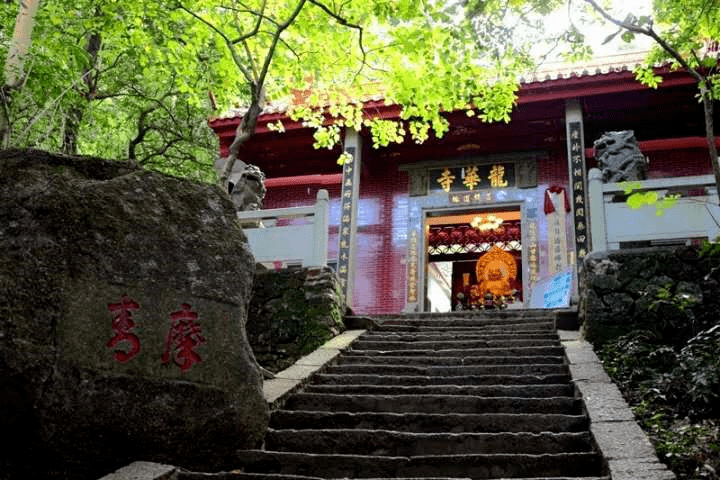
(578, 86)
(574, 86)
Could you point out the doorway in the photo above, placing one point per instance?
(470, 254)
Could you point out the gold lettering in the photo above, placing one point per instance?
(497, 176)
(446, 179)
(471, 179)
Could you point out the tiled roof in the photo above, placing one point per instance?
(546, 72)
(619, 62)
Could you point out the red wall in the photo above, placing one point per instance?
(380, 280)
(679, 163)
(382, 234)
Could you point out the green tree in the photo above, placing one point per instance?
(419, 55)
(17, 51)
(686, 34)
(132, 79)
(114, 79)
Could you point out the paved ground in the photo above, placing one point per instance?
(624, 445)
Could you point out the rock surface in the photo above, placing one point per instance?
(666, 289)
(123, 302)
(292, 312)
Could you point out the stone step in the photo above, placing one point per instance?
(466, 322)
(537, 327)
(278, 476)
(476, 466)
(183, 475)
(445, 371)
(430, 422)
(407, 444)
(453, 335)
(531, 391)
(454, 371)
(354, 358)
(237, 475)
(463, 352)
(326, 378)
(372, 344)
(432, 403)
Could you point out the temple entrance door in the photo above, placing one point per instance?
(473, 257)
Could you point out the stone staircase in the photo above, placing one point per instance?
(484, 395)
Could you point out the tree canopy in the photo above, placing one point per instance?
(139, 79)
(685, 34)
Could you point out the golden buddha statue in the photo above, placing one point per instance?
(495, 270)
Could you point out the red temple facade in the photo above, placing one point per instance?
(417, 227)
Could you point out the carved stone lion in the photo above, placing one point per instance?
(248, 191)
(619, 157)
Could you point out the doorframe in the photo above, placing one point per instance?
(426, 212)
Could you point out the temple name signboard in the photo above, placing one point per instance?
(472, 177)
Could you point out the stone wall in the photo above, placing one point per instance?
(292, 312)
(675, 290)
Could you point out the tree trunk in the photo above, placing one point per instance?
(245, 130)
(76, 113)
(71, 128)
(20, 42)
(19, 46)
(708, 108)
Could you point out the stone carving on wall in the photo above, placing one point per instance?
(619, 157)
(418, 180)
(248, 190)
(527, 173)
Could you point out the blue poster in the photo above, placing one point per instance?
(557, 292)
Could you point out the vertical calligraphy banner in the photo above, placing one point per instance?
(577, 184)
(412, 267)
(532, 241)
(346, 215)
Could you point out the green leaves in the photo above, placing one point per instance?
(640, 199)
(646, 75)
(144, 92)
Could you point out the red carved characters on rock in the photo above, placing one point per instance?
(183, 337)
(122, 323)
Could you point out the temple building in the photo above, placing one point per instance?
(499, 208)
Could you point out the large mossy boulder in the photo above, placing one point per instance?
(123, 302)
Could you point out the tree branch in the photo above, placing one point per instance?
(631, 27)
(276, 37)
(343, 21)
(254, 31)
(257, 97)
(231, 46)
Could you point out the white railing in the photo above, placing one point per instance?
(613, 222)
(304, 244)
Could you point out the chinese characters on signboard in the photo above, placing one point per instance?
(346, 204)
(412, 263)
(557, 206)
(577, 166)
(183, 336)
(471, 197)
(533, 251)
(472, 177)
